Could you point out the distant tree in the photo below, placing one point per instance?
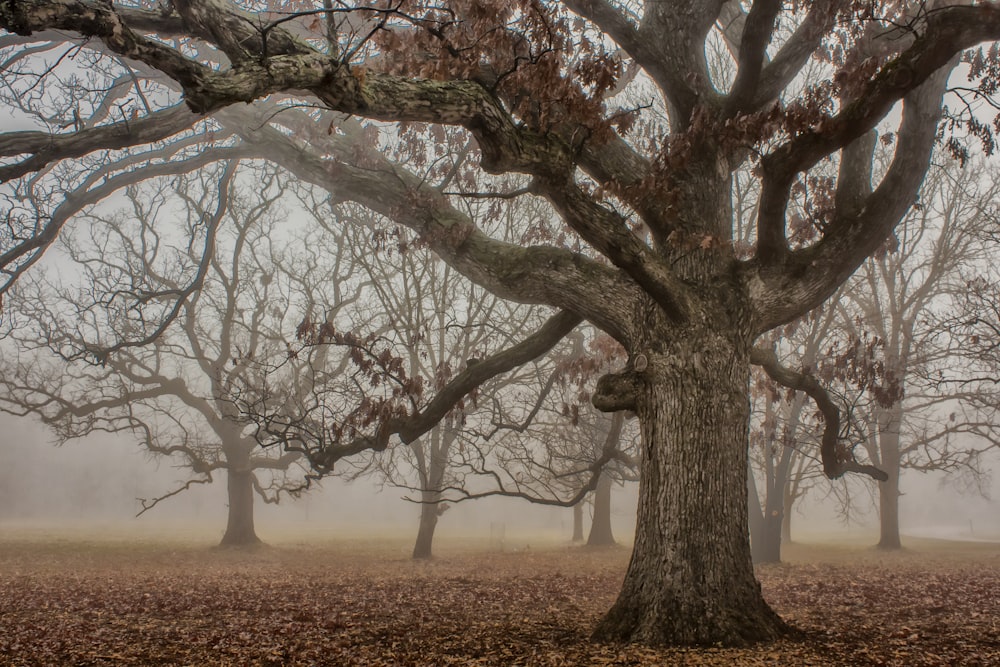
(438, 324)
(242, 291)
(538, 437)
(891, 348)
(645, 190)
(971, 329)
(785, 435)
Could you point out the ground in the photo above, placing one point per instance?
(344, 602)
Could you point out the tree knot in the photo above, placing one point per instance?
(616, 391)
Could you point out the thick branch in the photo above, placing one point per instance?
(673, 35)
(947, 32)
(791, 283)
(532, 347)
(796, 51)
(414, 426)
(757, 31)
(532, 274)
(836, 461)
(46, 148)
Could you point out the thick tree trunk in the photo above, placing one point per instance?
(600, 527)
(240, 529)
(429, 512)
(691, 579)
(578, 522)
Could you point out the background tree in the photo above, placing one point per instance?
(172, 395)
(573, 435)
(646, 192)
(785, 435)
(889, 340)
(437, 323)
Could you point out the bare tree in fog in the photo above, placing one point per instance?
(644, 189)
(173, 394)
(785, 435)
(889, 347)
(550, 451)
(438, 324)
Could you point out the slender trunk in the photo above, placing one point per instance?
(888, 491)
(429, 512)
(432, 462)
(765, 537)
(578, 522)
(600, 527)
(755, 513)
(787, 500)
(239, 528)
(765, 547)
(691, 579)
(888, 503)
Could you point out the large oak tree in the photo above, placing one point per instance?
(643, 188)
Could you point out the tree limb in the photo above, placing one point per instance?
(46, 148)
(836, 460)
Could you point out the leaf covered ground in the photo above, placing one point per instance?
(351, 603)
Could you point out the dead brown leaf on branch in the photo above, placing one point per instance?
(118, 604)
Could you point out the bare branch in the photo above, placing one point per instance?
(836, 462)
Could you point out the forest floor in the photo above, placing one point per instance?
(116, 602)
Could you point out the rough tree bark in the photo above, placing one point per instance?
(691, 559)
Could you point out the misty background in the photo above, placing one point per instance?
(93, 484)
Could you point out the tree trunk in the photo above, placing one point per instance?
(765, 524)
(239, 529)
(600, 527)
(888, 491)
(788, 499)
(765, 546)
(429, 512)
(578, 522)
(691, 579)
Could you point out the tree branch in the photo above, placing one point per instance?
(46, 148)
(836, 460)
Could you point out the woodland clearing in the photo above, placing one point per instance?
(353, 602)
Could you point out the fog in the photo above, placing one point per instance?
(93, 484)
(90, 487)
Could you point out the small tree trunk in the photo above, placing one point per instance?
(889, 514)
(429, 512)
(765, 547)
(578, 522)
(765, 537)
(600, 528)
(691, 579)
(888, 491)
(786, 513)
(239, 528)
(755, 515)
